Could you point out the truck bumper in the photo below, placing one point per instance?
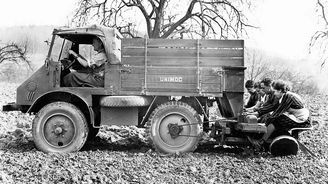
(12, 107)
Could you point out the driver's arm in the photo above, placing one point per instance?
(80, 59)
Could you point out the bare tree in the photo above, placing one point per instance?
(260, 65)
(319, 40)
(256, 64)
(167, 18)
(14, 52)
(300, 83)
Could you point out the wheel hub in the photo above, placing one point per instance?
(174, 130)
(59, 130)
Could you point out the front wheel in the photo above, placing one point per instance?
(59, 127)
(174, 127)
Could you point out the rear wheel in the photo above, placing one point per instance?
(174, 127)
(59, 127)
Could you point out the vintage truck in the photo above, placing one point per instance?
(164, 85)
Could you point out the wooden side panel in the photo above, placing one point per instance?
(183, 61)
(140, 42)
(222, 44)
(182, 52)
(181, 66)
(160, 79)
(163, 79)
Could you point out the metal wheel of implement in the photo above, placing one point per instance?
(284, 145)
(59, 127)
(174, 127)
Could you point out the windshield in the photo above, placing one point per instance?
(60, 48)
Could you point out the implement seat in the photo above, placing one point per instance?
(294, 132)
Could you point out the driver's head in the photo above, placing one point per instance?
(97, 44)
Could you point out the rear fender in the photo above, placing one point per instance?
(82, 101)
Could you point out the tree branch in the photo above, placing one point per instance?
(187, 15)
(14, 52)
(323, 11)
(222, 14)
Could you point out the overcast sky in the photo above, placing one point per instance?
(35, 12)
(286, 25)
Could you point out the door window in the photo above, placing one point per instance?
(60, 49)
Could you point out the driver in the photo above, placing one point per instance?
(95, 68)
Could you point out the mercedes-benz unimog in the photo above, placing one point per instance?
(164, 85)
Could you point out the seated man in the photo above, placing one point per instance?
(94, 75)
(271, 101)
(254, 96)
(290, 113)
(269, 105)
(261, 100)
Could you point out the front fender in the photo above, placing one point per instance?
(81, 100)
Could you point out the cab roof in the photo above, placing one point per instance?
(86, 33)
(92, 29)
